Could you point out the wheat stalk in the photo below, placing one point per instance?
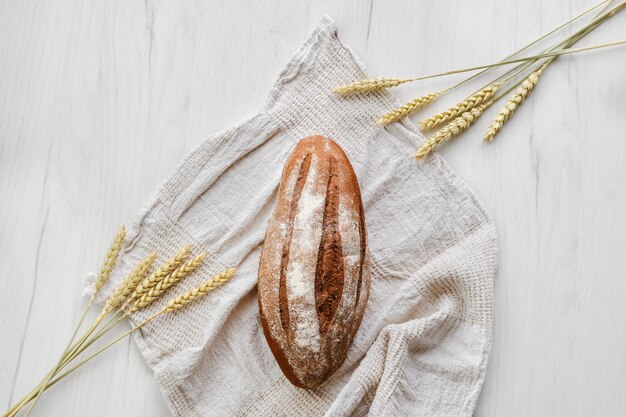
(109, 261)
(368, 85)
(174, 269)
(509, 108)
(175, 304)
(201, 290)
(147, 298)
(114, 301)
(452, 129)
(155, 292)
(375, 84)
(476, 99)
(345, 89)
(408, 108)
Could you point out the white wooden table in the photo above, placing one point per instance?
(99, 100)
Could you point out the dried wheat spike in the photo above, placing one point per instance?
(110, 260)
(509, 108)
(408, 108)
(368, 85)
(126, 287)
(166, 283)
(200, 291)
(476, 99)
(453, 128)
(163, 271)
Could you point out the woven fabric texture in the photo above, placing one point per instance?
(423, 345)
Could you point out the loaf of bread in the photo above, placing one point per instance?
(314, 272)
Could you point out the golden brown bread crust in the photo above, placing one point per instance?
(314, 272)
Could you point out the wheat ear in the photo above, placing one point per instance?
(162, 272)
(452, 129)
(200, 291)
(368, 85)
(476, 99)
(109, 261)
(166, 283)
(509, 108)
(129, 284)
(408, 108)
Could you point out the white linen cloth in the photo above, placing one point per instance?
(424, 341)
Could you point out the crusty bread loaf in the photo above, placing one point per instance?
(314, 273)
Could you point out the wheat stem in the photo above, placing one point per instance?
(440, 136)
(379, 83)
(81, 363)
(40, 387)
(525, 86)
(88, 342)
(105, 328)
(153, 286)
(105, 271)
(56, 367)
(536, 41)
(73, 350)
(553, 52)
(103, 276)
(46, 379)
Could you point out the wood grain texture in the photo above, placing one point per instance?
(100, 100)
